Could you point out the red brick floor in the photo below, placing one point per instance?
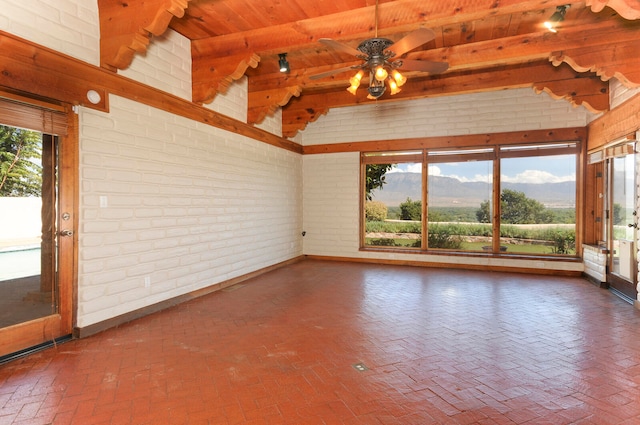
(438, 347)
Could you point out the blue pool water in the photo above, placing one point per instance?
(19, 263)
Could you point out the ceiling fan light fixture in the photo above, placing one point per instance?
(393, 86)
(283, 62)
(376, 88)
(381, 73)
(556, 18)
(355, 80)
(399, 78)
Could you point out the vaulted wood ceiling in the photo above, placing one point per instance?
(489, 45)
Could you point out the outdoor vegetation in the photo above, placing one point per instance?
(19, 162)
(527, 226)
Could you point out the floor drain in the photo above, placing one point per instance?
(360, 367)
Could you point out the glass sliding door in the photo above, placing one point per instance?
(621, 222)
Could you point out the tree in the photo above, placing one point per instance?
(375, 211)
(411, 210)
(516, 208)
(484, 213)
(20, 152)
(376, 177)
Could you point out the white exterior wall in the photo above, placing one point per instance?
(187, 205)
(20, 222)
(331, 181)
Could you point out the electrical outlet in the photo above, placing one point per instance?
(147, 281)
(103, 202)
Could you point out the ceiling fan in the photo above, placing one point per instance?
(379, 56)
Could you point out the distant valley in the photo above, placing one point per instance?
(451, 192)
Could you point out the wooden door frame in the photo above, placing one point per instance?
(47, 329)
(618, 283)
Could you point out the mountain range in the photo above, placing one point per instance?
(451, 192)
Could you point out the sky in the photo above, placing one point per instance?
(547, 169)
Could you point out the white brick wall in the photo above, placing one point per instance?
(234, 102)
(331, 204)
(272, 124)
(331, 181)
(68, 26)
(618, 93)
(595, 263)
(187, 206)
(492, 112)
(166, 65)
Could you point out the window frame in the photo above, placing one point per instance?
(493, 152)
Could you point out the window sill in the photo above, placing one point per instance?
(475, 254)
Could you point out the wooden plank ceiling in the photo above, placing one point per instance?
(488, 44)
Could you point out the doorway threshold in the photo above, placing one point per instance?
(622, 296)
(34, 349)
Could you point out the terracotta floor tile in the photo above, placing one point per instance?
(436, 346)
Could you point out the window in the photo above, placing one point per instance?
(445, 200)
(393, 204)
(459, 184)
(538, 200)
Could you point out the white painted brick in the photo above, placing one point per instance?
(507, 110)
(272, 124)
(69, 26)
(89, 293)
(92, 227)
(618, 93)
(121, 263)
(195, 200)
(164, 65)
(234, 102)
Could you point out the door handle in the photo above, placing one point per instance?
(66, 233)
(633, 225)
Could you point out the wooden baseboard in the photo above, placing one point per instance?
(527, 270)
(95, 328)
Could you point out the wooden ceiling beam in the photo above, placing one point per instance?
(126, 28)
(506, 51)
(396, 16)
(208, 79)
(562, 82)
(266, 103)
(628, 9)
(620, 60)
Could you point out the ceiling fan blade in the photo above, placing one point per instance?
(330, 73)
(411, 41)
(336, 45)
(425, 66)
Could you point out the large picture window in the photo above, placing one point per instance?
(393, 204)
(508, 200)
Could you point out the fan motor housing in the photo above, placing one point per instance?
(374, 46)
